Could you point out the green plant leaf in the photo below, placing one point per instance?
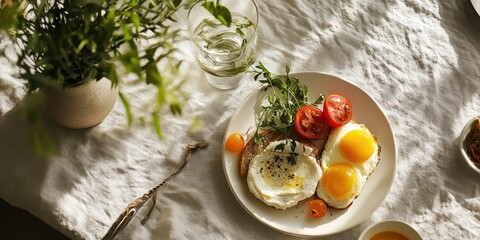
(127, 32)
(210, 6)
(153, 76)
(177, 3)
(172, 4)
(64, 43)
(42, 142)
(220, 12)
(112, 73)
(175, 108)
(136, 21)
(156, 124)
(128, 109)
(8, 18)
(81, 45)
(196, 124)
(224, 15)
(134, 3)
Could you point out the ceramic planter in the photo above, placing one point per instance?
(82, 106)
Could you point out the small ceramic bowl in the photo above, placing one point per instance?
(463, 144)
(390, 225)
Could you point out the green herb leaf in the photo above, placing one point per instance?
(280, 147)
(292, 158)
(286, 96)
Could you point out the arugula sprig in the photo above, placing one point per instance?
(286, 96)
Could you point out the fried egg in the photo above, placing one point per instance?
(350, 155)
(277, 182)
(340, 185)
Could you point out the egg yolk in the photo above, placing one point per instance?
(339, 180)
(357, 145)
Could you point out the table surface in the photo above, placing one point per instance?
(15, 221)
(417, 59)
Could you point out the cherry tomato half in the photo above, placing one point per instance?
(309, 123)
(235, 142)
(317, 208)
(337, 110)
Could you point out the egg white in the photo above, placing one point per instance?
(332, 155)
(276, 182)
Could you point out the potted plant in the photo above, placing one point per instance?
(71, 45)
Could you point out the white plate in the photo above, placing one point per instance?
(476, 5)
(296, 220)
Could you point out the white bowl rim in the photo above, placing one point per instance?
(466, 129)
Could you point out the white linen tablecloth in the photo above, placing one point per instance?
(417, 58)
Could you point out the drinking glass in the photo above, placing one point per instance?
(224, 53)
